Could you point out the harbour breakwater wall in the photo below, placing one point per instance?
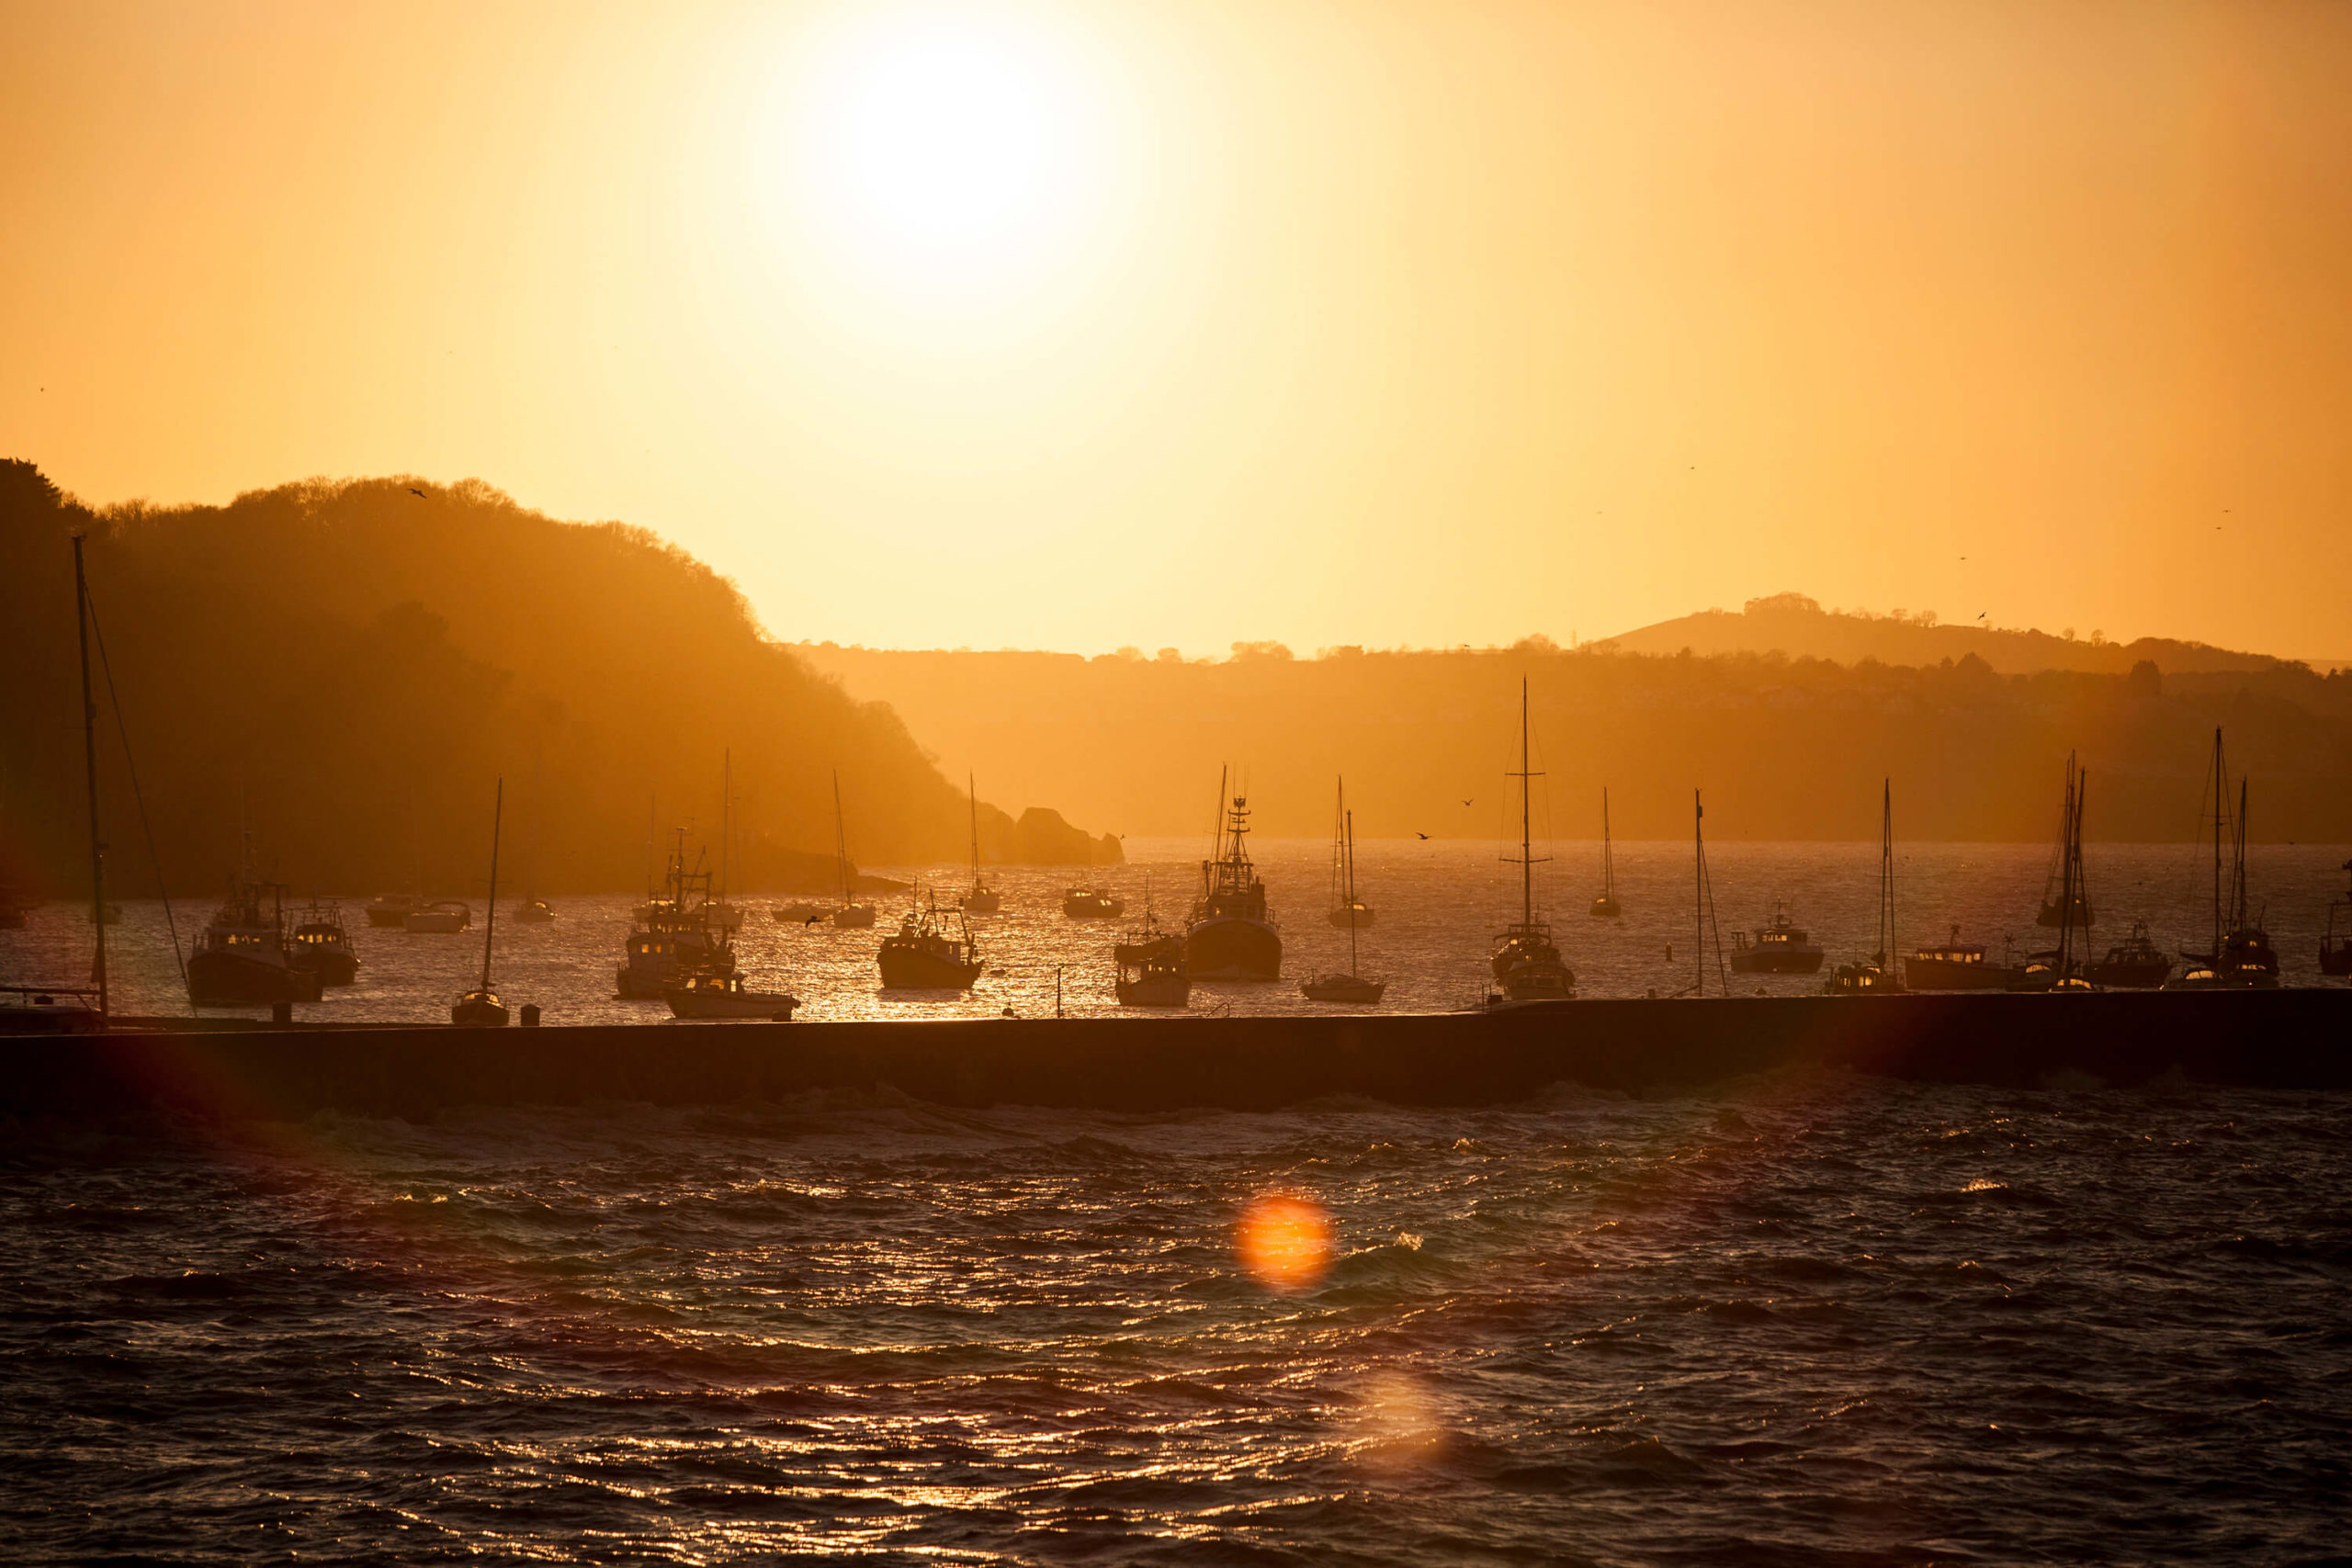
(2287, 1038)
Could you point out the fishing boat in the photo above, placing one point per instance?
(322, 946)
(2062, 968)
(2134, 963)
(726, 996)
(1347, 908)
(921, 956)
(2335, 947)
(1875, 976)
(1605, 907)
(441, 918)
(480, 1007)
(1152, 968)
(848, 913)
(672, 936)
(2241, 957)
(392, 910)
(1350, 988)
(1230, 936)
(1525, 960)
(1781, 948)
(1957, 965)
(1093, 904)
(2057, 908)
(979, 899)
(241, 957)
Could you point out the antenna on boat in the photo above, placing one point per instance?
(90, 765)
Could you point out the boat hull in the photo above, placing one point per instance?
(853, 917)
(2130, 975)
(691, 1004)
(1946, 975)
(475, 1012)
(227, 979)
(1229, 947)
(1604, 908)
(1344, 988)
(333, 966)
(1357, 918)
(913, 969)
(2336, 956)
(983, 903)
(1159, 992)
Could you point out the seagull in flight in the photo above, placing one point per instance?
(1465, 803)
(1980, 614)
(416, 492)
(1418, 834)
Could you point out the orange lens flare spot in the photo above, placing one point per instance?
(1285, 1241)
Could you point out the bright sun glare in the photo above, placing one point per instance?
(949, 146)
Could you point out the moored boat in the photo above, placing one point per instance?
(1525, 959)
(321, 945)
(2134, 963)
(726, 996)
(440, 918)
(1152, 968)
(979, 899)
(533, 912)
(391, 910)
(2241, 956)
(1350, 988)
(1781, 948)
(850, 913)
(1093, 904)
(1230, 936)
(1875, 976)
(2335, 947)
(1604, 907)
(1957, 965)
(923, 955)
(241, 958)
(672, 938)
(1347, 911)
(480, 1007)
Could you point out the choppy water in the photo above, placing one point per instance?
(1439, 904)
(1795, 1321)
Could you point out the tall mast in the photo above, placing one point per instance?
(1698, 880)
(2221, 784)
(840, 839)
(1526, 838)
(538, 824)
(1351, 892)
(972, 797)
(490, 927)
(2237, 863)
(90, 769)
(1886, 873)
(1608, 855)
(726, 813)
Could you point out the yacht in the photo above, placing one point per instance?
(1229, 936)
(1875, 976)
(1781, 948)
(1093, 904)
(921, 955)
(1605, 908)
(2134, 963)
(480, 1007)
(2062, 969)
(1347, 911)
(1957, 965)
(725, 996)
(980, 899)
(1350, 988)
(2241, 957)
(441, 918)
(849, 914)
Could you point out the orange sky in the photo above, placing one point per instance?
(1070, 325)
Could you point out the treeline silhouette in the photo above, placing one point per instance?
(346, 667)
(1785, 748)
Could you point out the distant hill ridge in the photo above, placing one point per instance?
(1798, 627)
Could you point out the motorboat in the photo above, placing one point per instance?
(442, 918)
(321, 945)
(1229, 936)
(1781, 948)
(241, 958)
(390, 911)
(725, 996)
(2134, 963)
(1093, 904)
(1957, 965)
(1153, 974)
(921, 956)
(533, 912)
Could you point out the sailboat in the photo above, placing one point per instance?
(1346, 909)
(2056, 912)
(722, 914)
(1605, 907)
(981, 899)
(849, 912)
(1230, 936)
(1526, 961)
(1876, 977)
(534, 910)
(2335, 947)
(1703, 919)
(1152, 969)
(2241, 957)
(480, 1007)
(1351, 986)
(2059, 970)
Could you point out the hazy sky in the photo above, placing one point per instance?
(1070, 325)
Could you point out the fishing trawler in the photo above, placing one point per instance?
(672, 937)
(1876, 976)
(1958, 966)
(1525, 961)
(921, 956)
(241, 957)
(480, 1007)
(1152, 968)
(2134, 963)
(1350, 988)
(1346, 909)
(849, 913)
(1230, 937)
(2241, 957)
(1605, 908)
(322, 946)
(2335, 947)
(1781, 948)
(726, 996)
(1093, 904)
(979, 899)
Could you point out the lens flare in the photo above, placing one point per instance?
(1285, 1241)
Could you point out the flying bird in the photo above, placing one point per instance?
(1418, 834)
(1465, 803)
(416, 492)
(1980, 614)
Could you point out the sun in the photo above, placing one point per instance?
(949, 146)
